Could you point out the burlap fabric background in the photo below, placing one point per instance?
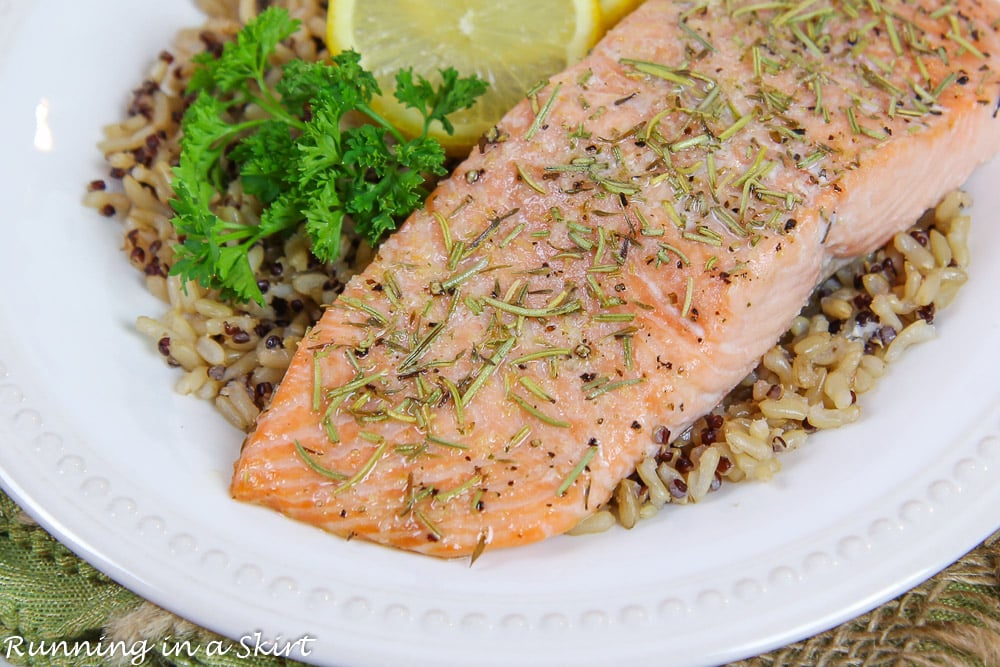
(46, 593)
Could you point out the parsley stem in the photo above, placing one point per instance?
(270, 104)
(375, 116)
(291, 155)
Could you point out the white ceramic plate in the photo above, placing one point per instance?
(134, 478)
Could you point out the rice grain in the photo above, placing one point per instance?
(867, 314)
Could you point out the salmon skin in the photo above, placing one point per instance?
(614, 258)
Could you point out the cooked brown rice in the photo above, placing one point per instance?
(861, 318)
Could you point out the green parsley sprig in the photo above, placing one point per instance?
(296, 155)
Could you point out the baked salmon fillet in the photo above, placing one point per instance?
(614, 258)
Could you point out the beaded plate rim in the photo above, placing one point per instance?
(79, 478)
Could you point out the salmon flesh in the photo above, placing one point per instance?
(614, 258)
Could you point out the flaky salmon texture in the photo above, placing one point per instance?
(614, 258)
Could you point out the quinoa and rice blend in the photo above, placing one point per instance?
(861, 318)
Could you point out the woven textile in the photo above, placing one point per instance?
(49, 595)
(951, 620)
(70, 615)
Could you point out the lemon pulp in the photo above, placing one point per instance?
(512, 45)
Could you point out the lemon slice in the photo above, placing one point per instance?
(613, 11)
(512, 45)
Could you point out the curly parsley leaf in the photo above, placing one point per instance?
(436, 104)
(298, 157)
(264, 157)
(245, 58)
(212, 251)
